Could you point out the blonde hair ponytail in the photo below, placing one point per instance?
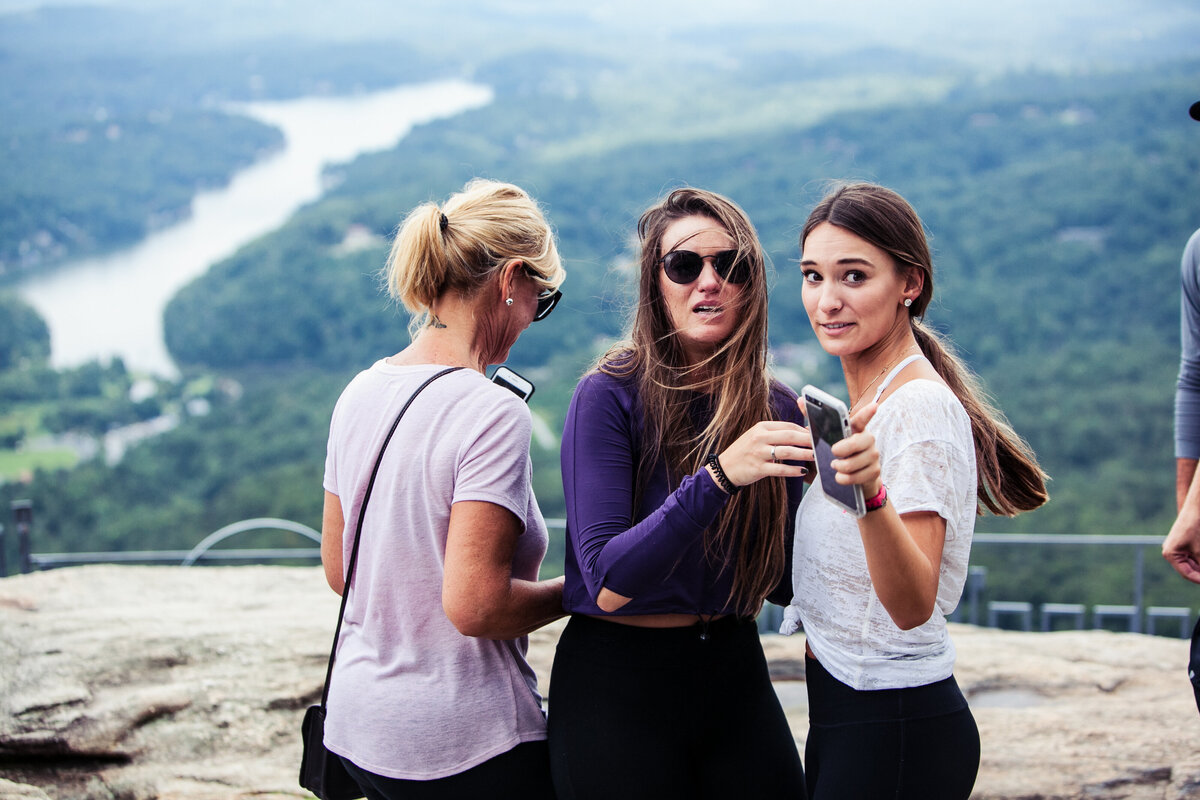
(460, 246)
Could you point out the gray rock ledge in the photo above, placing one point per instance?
(145, 682)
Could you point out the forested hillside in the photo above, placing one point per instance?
(94, 99)
(1058, 205)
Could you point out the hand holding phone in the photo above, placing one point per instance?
(829, 423)
(520, 385)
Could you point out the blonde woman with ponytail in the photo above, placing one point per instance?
(886, 718)
(431, 695)
(681, 475)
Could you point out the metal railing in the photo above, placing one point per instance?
(971, 609)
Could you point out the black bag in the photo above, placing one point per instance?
(322, 772)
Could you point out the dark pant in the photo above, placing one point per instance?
(523, 772)
(662, 713)
(1194, 663)
(902, 744)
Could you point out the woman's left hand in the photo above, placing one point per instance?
(768, 449)
(856, 460)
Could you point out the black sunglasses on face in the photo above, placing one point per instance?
(547, 300)
(684, 266)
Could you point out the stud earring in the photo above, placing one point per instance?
(907, 302)
(508, 302)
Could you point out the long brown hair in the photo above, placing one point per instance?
(734, 376)
(1010, 479)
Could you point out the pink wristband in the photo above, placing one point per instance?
(878, 501)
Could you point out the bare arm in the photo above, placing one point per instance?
(332, 527)
(479, 594)
(904, 553)
(1182, 546)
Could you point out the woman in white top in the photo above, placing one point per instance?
(886, 716)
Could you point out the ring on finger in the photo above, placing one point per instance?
(773, 458)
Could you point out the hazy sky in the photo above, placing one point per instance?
(1051, 33)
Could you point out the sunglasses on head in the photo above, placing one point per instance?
(684, 266)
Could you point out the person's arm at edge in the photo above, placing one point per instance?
(1181, 547)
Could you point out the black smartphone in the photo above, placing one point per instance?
(829, 422)
(519, 385)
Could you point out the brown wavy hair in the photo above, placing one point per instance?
(735, 376)
(1010, 479)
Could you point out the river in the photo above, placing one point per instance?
(112, 305)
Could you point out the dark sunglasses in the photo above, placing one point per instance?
(547, 300)
(684, 266)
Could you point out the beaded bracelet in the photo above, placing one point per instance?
(722, 479)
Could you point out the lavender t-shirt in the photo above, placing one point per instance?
(410, 696)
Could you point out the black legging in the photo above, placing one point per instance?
(522, 772)
(899, 744)
(662, 713)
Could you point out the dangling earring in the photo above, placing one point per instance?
(508, 302)
(907, 302)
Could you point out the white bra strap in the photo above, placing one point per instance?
(891, 375)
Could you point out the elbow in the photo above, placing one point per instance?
(910, 618)
(609, 601)
(475, 621)
(333, 575)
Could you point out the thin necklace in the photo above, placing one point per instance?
(877, 377)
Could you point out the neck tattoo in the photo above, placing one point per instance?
(434, 322)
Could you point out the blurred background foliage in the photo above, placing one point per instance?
(1058, 182)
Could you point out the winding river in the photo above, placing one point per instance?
(112, 305)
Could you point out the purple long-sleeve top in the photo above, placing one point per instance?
(654, 553)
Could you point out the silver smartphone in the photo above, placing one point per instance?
(829, 422)
(520, 386)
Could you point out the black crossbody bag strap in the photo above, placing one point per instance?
(358, 528)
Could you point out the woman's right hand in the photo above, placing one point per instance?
(768, 449)
(856, 459)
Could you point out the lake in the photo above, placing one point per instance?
(112, 305)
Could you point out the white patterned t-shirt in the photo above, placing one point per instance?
(927, 452)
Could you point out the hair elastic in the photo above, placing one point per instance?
(445, 223)
(722, 479)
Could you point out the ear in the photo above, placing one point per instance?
(508, 278)
(914, 283)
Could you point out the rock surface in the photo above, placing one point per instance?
(190, 683)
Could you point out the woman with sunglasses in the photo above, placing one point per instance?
(431, 695)
(886, 717)
(678, 468)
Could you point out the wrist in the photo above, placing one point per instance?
(713, 465)
(878, 501)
